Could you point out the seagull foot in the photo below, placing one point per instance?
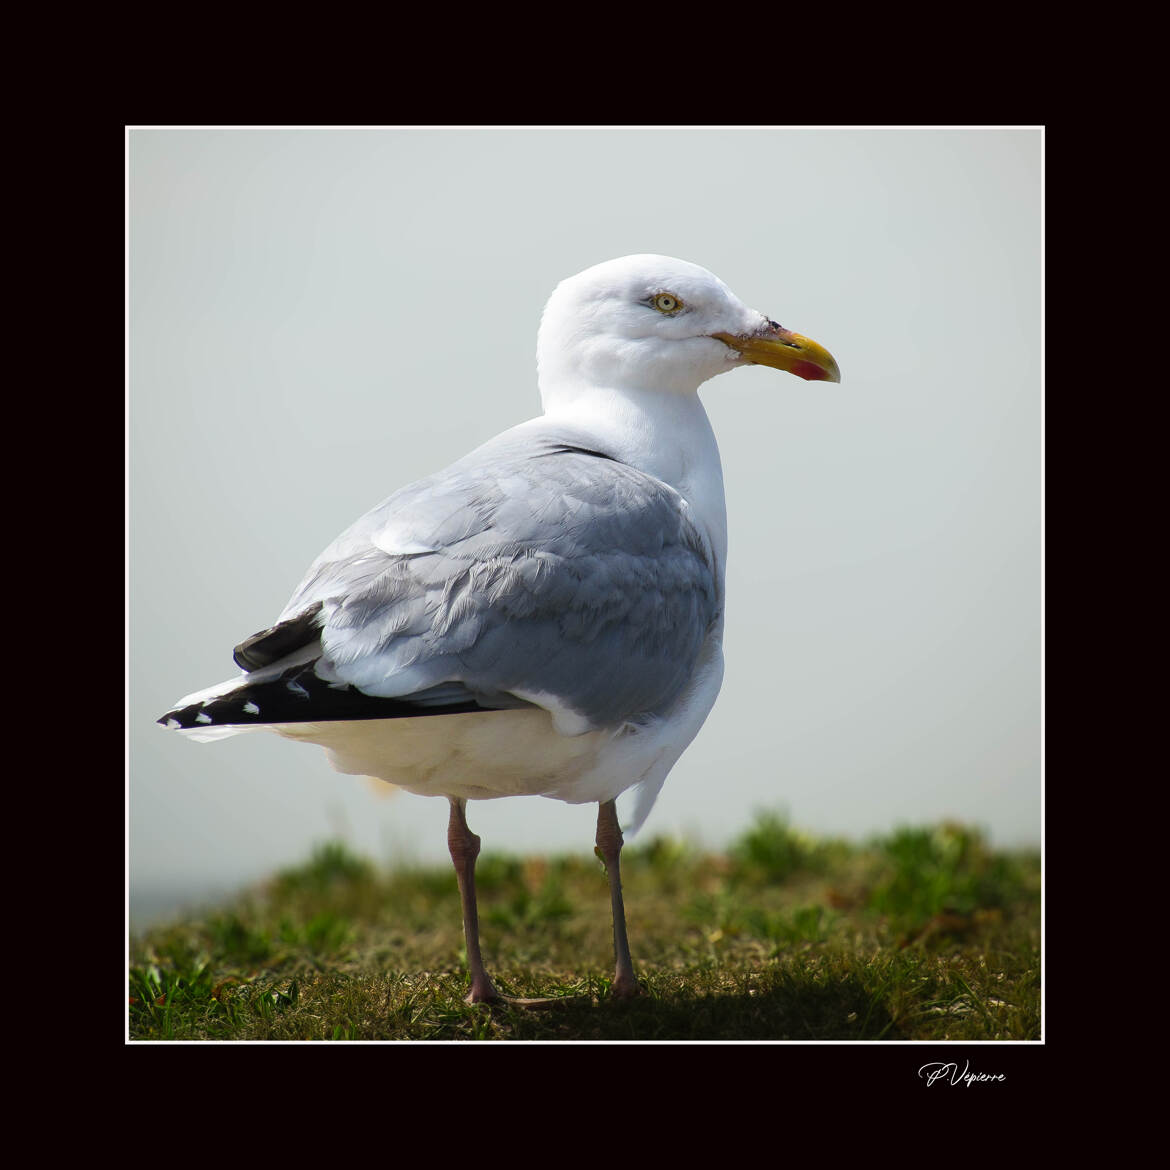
(518, 1002)
(482, 994)
(622, 988)
(545, 1002)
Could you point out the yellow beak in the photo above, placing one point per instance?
(783, 350)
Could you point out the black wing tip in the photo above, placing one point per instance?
(278, 641)
(244, 660)
(299, 695)
(215, 713)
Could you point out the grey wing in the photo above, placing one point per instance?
(538, 570)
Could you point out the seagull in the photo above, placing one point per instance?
(544, 616)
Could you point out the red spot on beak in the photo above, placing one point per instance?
(809, 372)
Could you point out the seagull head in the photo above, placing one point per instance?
(650, 322)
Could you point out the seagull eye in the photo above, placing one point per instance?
(667, 303)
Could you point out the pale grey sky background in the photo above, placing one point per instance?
(319, 316)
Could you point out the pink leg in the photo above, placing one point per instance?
(609, 847)
(464, 846)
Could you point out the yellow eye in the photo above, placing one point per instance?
(667, 303)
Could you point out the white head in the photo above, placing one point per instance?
(655, 323)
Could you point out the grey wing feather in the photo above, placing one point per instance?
(530, 567)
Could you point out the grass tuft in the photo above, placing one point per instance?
(772, 851)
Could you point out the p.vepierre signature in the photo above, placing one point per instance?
(950, 1069)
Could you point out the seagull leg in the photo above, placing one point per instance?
(609, 848)
(464, 847)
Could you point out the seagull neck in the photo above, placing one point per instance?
(666, 434)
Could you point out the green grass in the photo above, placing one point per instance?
(925, 934)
